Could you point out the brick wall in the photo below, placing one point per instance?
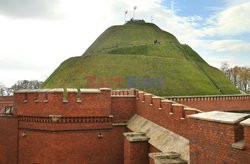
(220, 103)
(42, 103)
(123, 107)
(6, 101)
(73, 126)
(72, 146)
(8, 140)
(91, 113)
(212, 142)
(165, 113)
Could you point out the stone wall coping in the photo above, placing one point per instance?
(167, 157)
(119, 124)
(164, 155)
(122, 96)
(27, 91)
(165, 100)
(206, 96)
(245, 122)
(136, 136)
(192, 109)
(156, 97)
(105, 89)
(90, 90)
(56, 90)
(218, 116)
(72, 90)
(175, 104)
(60, 90)
(132, 134)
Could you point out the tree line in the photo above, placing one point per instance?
(21, 84)
(240, 76)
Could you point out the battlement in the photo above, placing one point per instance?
(123, 93)
(161, 103)
(209, 97)
(218, 102)
(164, 112)
(68, 102)
(228, 133)
(96, 118)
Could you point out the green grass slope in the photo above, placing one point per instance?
(128, 50)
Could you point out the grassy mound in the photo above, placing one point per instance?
(129, 50)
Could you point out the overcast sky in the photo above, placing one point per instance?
(37, 35)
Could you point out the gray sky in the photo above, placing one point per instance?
(37, 35)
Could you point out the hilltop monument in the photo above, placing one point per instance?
(129, 51)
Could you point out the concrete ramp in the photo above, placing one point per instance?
(161, 138)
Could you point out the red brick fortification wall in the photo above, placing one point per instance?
(136, 148)
(72, 146)
(165, 113)
(91, 102)
(71, 127)
(6, 101)
(8, 140)
(123, 105)
(219, 103)
(219, 137)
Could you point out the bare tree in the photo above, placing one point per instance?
(25, 84)
(240, 76)
(2, 89)
(21, 84)
(225, 68)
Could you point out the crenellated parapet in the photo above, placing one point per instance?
(226, 132)
(164, 112)
(209, 98)
(123, 93)
(150, 101)
(218, 102)
(66, 102)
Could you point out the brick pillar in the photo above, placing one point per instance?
(166, 158)
(135, 148)
(246, 124)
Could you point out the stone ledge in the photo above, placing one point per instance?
(192, 109)
(72, 90)
(119, 96)
(167, 158)
(56, 90)
(245, 122)
(165, 100)
(105, 89)
(119, 124)
(136, 136)
(176, 104)
(27, 90)
(221, 117)
(239, 145)
(89, 90)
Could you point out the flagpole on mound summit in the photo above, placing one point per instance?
(135, 7)
(126, 12)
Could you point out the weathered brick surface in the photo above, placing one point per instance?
(219, 104)
(136, 152)
(71, 147)
(8, 140)
(123, 108)
(6, 101)
(164, 114)
(75, 139)
(211, 142)
(92, 104)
